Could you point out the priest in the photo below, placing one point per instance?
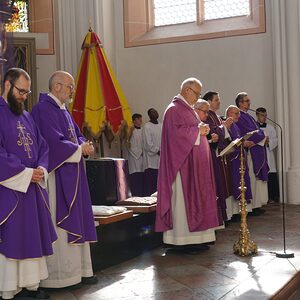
(186, 203)
(234, 157)
(69, 195)
(222, 169)
(26, 228)
(257, 156)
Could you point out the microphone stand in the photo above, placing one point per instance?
(280, 254)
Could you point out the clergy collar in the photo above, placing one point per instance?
(61, 105)
(262, 125)
(182, 98)
(191, 106)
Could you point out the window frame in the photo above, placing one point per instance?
(139, 29)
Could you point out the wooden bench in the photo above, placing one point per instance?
(140, 209)
(103, 220)
(123, 236)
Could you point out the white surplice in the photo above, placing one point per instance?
(70, 262)
(25, 273)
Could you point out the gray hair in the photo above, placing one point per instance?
(239, 98)
(200, 103)
(189, 82)
(230, 108)
(58, 77)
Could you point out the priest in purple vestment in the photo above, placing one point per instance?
(69, 194)
(257, 156)
(186, 201)
(26, 228)
(222, 169)
(233, 112)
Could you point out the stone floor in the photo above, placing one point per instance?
(213, 274)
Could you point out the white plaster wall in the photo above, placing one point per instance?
(151, 75)
(46, 65)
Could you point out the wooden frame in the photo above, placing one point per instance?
(139, 29)
(25, 57)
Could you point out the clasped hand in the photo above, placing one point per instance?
(37, 175)
(204, 129)
(87, 148)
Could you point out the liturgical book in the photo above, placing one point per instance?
(229, 149)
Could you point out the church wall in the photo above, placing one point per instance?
(151, 75)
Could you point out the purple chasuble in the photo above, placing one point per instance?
(179, 154)
(234, 158)
(26, 228)
(247, 123)
(221, 165)
(73, 202)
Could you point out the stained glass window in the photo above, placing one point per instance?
(19, 19)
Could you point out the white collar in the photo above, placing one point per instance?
(61, 105)
(182, 98)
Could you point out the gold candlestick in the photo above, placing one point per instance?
(244, 246)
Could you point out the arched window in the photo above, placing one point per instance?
(163, 21)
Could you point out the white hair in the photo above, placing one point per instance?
(200, 103)
(190, 81)
(230, 108)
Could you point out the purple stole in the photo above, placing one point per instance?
(221, 165)
(246, 123)
(73, 203)
(179, 154)
(26, 229)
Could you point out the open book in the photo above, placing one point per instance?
(229, 149)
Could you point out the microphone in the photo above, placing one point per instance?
(280, 254)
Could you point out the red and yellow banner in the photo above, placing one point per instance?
(98, 100)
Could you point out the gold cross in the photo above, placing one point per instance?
(24, 138)
(72, 135)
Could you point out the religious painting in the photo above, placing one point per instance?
(24, 57)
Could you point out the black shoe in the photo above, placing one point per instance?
(235, 218)
(75, 286)
(195, 249)
(39, 294)
(89, 280)
(257, 212)
(174, 249)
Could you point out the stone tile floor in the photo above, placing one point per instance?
(213, 274)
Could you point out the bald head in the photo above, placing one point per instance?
(202, 107)
(233, 112)
(61, 85)
(59, 77)
(191, 90)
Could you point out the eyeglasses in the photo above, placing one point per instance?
(22, 92)
(204, 111)
(70, 86)
(198, 95)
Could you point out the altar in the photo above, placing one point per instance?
(120, 237)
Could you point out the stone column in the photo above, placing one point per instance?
(286, 46)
